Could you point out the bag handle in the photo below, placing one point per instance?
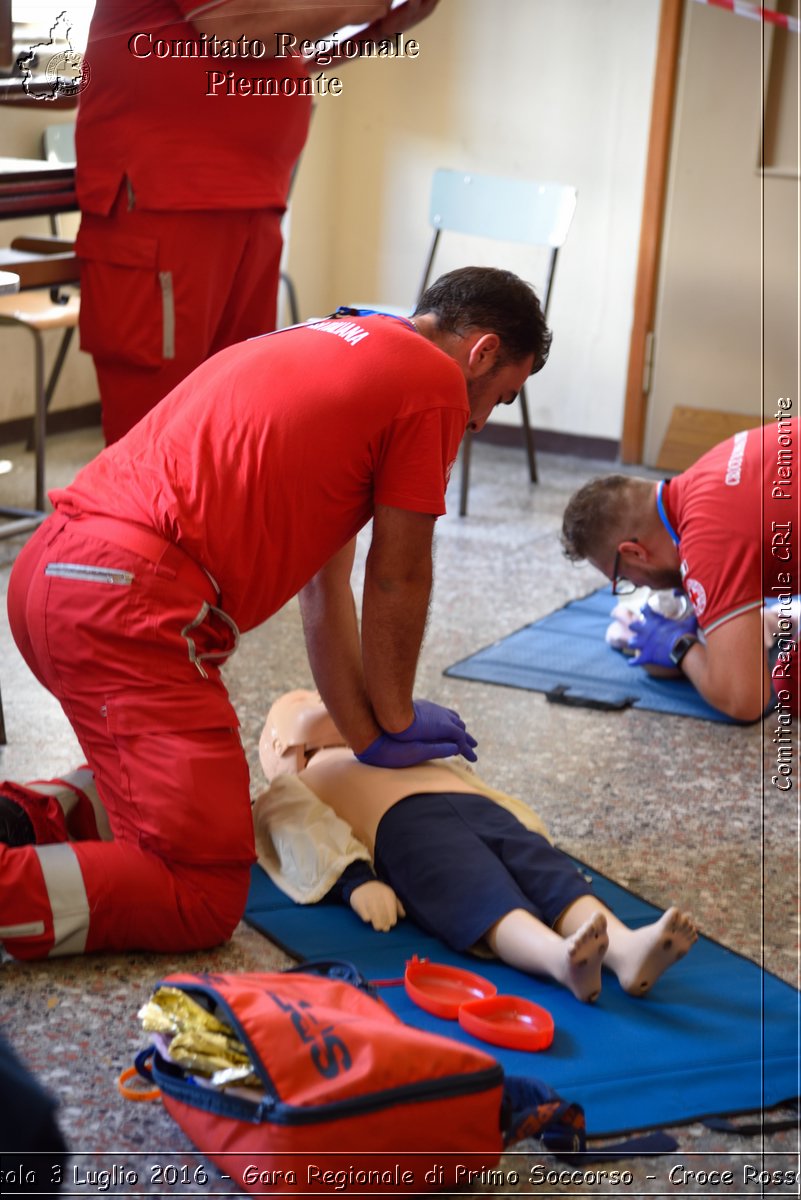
(333, 968)
(531, 1108)
(139, 1070)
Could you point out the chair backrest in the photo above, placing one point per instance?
(58, 143)
(511, 210)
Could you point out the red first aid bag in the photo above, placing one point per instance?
(352, 1100)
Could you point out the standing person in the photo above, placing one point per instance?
(726, 531)
(246, 485)
(182, 192)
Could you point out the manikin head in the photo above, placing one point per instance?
(297, 726)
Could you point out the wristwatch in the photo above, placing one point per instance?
(680, 648)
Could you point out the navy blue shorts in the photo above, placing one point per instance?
(459, 862)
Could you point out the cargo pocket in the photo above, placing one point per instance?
(180, 776)
(163, 710)
(127, 304)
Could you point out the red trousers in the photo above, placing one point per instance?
(125, 633)
(162, 291)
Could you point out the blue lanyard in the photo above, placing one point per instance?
(343, 311)
(660, 508)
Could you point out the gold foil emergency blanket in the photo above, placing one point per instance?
(198, 1040)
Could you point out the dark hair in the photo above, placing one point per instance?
(488, 298)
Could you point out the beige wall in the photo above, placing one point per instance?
(549, 89)
(21, 137)
(716, 272)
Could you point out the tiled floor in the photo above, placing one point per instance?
(674, 808)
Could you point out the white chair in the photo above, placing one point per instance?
(44, 266)
(58, 143)
(509, 210)
(58, 146)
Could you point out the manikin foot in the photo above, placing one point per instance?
(584, 956)
(651, 950)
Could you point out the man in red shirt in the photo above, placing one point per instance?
(246, 485)
(727, 532)
(182, 185)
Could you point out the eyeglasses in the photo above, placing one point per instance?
(621, 586)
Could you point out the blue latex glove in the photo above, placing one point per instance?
(655, 636)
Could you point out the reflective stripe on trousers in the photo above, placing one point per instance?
(69, 904)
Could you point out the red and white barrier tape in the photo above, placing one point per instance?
(755, 13)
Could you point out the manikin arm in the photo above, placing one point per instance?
(312, 855)
(375, 902)
(377, 905)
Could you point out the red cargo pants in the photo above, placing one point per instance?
(122, 627)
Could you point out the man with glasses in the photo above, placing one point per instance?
(726, 532)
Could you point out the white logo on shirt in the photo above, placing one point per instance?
(349, 331)
(735, 464)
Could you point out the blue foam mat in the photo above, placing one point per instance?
(566, 651)
(716, 1035)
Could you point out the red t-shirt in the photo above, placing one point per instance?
(271, 456)
(736, 513)
(147, 117)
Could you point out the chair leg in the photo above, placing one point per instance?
(39, 420)
(26, 519)
(53, 380)
(292, 298)
(3, 739)
(528, 436)
(467, 442)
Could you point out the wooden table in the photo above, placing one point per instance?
(33, 187)
(9, 282)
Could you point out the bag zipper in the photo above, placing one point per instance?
(273, 1108)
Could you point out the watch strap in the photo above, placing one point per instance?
(681, 647)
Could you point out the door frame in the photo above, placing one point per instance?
(671, 20)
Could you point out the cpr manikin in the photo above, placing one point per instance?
(466, 862)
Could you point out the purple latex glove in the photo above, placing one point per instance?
(435, 732)
(385, 751)
(655, 636)
(434, 723)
